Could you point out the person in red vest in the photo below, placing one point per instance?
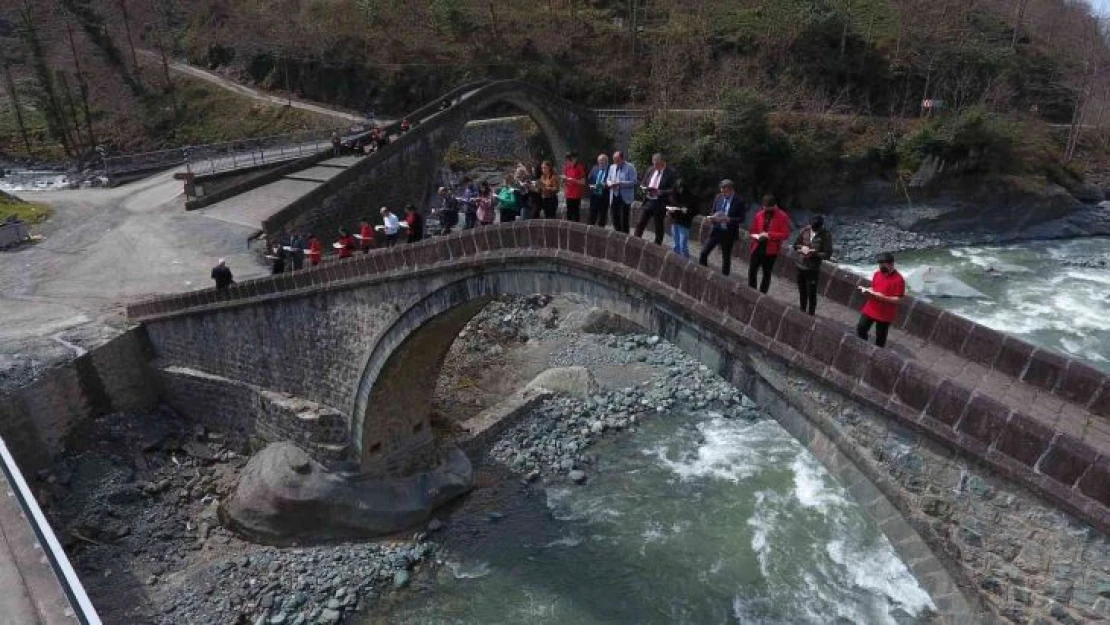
(366, 231)
(416, 223)
(770, 228)
(887, 289)
(315, 250)
(346, 243)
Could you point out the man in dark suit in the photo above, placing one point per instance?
(657, 185)
(726, 215)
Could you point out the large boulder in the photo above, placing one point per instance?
(284, 494)
(1088, 193)
(569, 380)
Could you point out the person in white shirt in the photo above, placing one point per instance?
(622, 183)
(391, 226)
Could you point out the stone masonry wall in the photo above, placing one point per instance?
(36, 420)
(503, 138)
(256, 415)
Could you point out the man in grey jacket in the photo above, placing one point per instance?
(622, 183)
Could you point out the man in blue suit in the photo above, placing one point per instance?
(726, 215)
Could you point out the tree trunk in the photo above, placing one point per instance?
(18, 108)
(130, 41)
(493, 20)
(1019, 15)
(82, 84)
(51, 105)
(161, 24)
(844, 29)
(73, 115)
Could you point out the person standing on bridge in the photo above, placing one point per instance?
(485, 202)
(599, 192)
(448, 211)
(345, 244)
(469, 197)
(770, 228)
(315, 250)
(549, 190)
(813, 245)
(657, 186)
(622, 183)
(366, 235)
(508, 199)
(221, 273)
(683, 208)
(574, 185)
(336, 144)
(297, 243)
(415, 223)
(726, 214)
(390, 226)
(887, 289)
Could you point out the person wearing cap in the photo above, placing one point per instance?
(221, 273)
(682, 208)
(883, 297)
(469, 199)
(622, 183)
(726, 214)
(574, 185)
(813, 245)
(416, 223)
(599, 193)
(770, 229)
(297, 242)
(657, 186)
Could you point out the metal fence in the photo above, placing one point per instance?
(218, 157)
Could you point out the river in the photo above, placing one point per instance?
(694, 518)
(1040, 291)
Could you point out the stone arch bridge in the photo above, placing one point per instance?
(407, 169)
(361, 340)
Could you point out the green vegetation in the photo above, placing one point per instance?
(804, 158)
(30, 212)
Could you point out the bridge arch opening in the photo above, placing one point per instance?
(404, 363)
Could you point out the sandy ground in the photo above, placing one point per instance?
(101, 249)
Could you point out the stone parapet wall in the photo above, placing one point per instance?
(36, 420)
(1057, 465)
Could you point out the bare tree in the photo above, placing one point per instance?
(82, 82)
(13, 94)
(130, 42)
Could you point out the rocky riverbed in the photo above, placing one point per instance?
(137, 510)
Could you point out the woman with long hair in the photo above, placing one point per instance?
(486, 202)
(549, 190)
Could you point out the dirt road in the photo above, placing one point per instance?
(102, 248)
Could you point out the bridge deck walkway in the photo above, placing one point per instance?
(1052, 411)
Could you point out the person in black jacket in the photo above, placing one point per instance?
(222, 275)
(813, 245)
(657, 185)
(726, 214)
(682, 209)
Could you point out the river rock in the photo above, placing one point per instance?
(273, 500)
(577, 476)
(576, 381)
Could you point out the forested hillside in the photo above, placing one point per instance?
(75, 71)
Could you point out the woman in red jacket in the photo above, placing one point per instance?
(770, 228)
